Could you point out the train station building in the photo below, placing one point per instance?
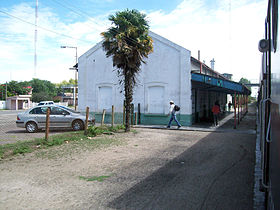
(170, 73)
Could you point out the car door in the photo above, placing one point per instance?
(59, 117)
(38, 115)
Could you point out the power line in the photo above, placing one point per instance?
(80, 13)
(74, 11)
(43, 27)
(84, 14)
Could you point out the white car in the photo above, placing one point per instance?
(45, 103)
(60, 117)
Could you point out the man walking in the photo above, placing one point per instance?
(172, 111)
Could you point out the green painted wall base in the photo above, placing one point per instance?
(146, 119)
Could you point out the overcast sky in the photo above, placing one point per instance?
(227, 31)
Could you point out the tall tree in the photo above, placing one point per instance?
(245, 81)
(43, 90)
(128, 42)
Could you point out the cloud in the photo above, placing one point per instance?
(17, 43)
(231, 38)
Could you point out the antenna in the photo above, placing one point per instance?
(35, 40)
(229, 36)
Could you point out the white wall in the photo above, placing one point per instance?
(2, 104)
(165, 76)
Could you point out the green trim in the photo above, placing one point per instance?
(108, 118)
(146, 119)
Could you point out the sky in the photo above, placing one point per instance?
(227, 31)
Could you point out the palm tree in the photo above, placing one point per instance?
(128, 42)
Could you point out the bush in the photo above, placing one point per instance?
(42, 96)
(21, 149)
(94, 131)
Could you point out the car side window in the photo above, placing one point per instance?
(39, 110)
(58, 111)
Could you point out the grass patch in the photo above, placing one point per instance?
(95, 131)
(94, 178)
(78, 137)
(134, 131)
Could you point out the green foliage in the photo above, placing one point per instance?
(41, 89)
(71, 82)
(2, 91)
(95, 131)
(245, 81)
(14, 88)
(43, 86)
(42, 96)
(8, 150)
(21, 149)
(94, 178)
(1, 153)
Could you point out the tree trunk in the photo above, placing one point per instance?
(128, 98)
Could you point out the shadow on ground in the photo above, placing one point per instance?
(215, 173)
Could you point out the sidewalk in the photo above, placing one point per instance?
(246, 125)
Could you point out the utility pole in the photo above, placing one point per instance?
(6, 92)
(35, 39)
(76, 71)
(76, 79)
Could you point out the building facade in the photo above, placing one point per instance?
(165, 76)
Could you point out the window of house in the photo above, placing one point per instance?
(105, 94)
(156, 99)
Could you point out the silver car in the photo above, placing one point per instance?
(60, 117)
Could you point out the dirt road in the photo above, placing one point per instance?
(147, 169)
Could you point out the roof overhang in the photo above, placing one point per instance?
(206, 82)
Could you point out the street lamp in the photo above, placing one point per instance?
(76, 70)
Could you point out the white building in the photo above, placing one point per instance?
(170, 73)
(165, 76)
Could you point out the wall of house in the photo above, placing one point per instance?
(165, 76)
(2, 104)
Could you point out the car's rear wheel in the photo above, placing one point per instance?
(31, 127)
(77, 125)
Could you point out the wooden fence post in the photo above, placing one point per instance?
(238, 105)
(103, 117)
(123, 112)
(113, 115)
(235, 110)
(139, 114)
(135, 118)
(86, 125)
(47, 124)
(241, 106)
(131, 114)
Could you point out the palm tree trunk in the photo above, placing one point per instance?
(128, 99)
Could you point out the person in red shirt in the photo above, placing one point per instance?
(216, 111)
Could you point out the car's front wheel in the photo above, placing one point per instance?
(77, 125)
(31, 127)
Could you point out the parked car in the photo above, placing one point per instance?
(45, 103)
(60, 117)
